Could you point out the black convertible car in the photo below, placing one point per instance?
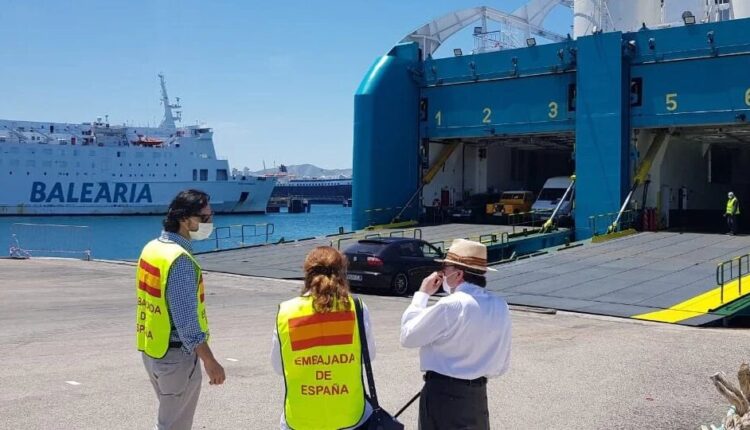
(393, 263)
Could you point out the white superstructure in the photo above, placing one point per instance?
(96, 168)
(591, 16)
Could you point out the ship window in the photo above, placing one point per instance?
(204, 174)
(221, 174)
(195, 174)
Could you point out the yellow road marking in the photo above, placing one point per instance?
(700, 304)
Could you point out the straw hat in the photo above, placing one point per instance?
(469, 254)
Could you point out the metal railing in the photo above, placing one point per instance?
(246, 232)
(416, 233)
(526, 219)
(600, 224)
(728, 271)
(50, 240)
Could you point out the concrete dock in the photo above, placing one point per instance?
(71, 361)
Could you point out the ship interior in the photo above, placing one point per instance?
(470, 186)
(692, 175)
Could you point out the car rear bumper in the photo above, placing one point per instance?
(367, 279)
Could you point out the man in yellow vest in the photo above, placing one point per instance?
(171, 324)
(733, 210)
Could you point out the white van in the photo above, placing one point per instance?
(549, 197)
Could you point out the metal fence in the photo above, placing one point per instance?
(415, 233)
(50, 240)
(238, 235)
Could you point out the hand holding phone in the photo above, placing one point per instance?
(432, 283)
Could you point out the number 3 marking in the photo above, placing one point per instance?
(552, 110)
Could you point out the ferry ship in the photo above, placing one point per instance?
(95, 168)
(314, 190)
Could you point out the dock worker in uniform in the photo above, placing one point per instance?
(733, 210)
(316, 347)
(463, 339)
(171, 324)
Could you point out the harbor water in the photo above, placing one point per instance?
(123, 237)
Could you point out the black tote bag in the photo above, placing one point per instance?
(380, 419)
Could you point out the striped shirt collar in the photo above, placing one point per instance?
(176, 238)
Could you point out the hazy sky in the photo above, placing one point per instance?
(275, 79)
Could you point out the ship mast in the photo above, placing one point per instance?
(169, 118)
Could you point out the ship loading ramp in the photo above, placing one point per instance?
(666, 277)
(284, 260)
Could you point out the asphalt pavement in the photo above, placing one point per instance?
(71, 363)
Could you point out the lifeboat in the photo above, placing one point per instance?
(147, 141)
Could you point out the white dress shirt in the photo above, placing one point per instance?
(465, 335)
(278, 367)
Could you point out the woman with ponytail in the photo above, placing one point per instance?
(317, 348)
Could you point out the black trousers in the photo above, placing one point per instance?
(451, 404)
(732, 223)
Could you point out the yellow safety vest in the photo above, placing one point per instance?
(153, 326)
(322, 358)
(731, 206)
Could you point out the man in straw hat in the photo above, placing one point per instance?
(463, 339)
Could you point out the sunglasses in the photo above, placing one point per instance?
(205, 217)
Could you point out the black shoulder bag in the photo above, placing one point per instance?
(380, 419)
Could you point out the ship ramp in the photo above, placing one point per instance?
(667, 277)
(284, 260)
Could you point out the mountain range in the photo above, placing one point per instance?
(308, 171)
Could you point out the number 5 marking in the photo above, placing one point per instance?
(552, 110)
(671, 100)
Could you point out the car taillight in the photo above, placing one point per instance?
(374, 261)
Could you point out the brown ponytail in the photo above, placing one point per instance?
(325, 279)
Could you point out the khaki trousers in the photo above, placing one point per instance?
(177, 382)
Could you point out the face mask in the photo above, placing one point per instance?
(447, 287)
(204, 230)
